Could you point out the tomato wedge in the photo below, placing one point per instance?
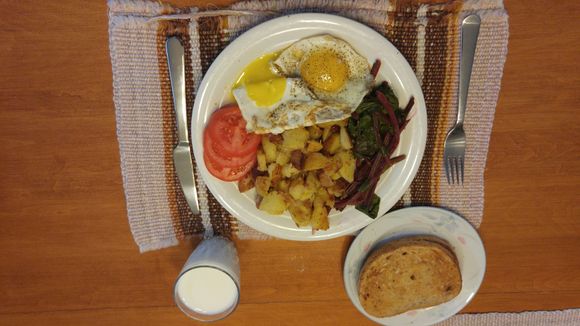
(218, 158)
(227, 128)
(227, 174)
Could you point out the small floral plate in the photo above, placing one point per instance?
(461, 236)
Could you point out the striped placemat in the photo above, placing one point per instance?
(426, 34)
(569, 317)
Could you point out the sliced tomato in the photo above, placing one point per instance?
(227, 174)
(227, 129)
(219, 158)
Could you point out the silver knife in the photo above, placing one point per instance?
(182, 152)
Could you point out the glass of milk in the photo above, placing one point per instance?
(208, 286)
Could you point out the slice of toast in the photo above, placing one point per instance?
(407, 274)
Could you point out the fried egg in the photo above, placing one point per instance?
(280, 104)
(331, 68)
(315, 80)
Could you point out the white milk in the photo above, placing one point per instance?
(207, 291)
(207, 287)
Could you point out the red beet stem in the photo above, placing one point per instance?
(375, 68)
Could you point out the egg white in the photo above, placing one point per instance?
(359, 80)
(297, 107)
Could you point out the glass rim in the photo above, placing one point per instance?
(234, 307)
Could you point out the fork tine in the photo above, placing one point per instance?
(457, 169)
(452, 168)
(461, 158)
(457, 160)
(446, 161)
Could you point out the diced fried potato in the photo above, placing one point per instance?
(299, 190)
(340, 123)
(345, 141)
(311, 184)
(312, 180)
(332, 143)
(275, 172)
(335, 176)
(288, 171)
(275, 139)
(326, 197)
(262, 164)
(325, 133)
(283, 185)
(296, 188)
(325, 179)
(297, 159)
(301, 211)
(263, 185)
(308, 193)
(348, 165)
(332, 166)
(246, 183)
(313, 146)
(327, 124)
(283, 158)
(269, 149)
(307, 169)
(273, 203)
(315, 132)
(295, 138)
(315, 161)
(287, 197)
(319, 219)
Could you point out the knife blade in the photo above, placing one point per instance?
(182, 152)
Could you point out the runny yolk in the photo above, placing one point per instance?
(324, 70)
(267, 92)
(262, 84)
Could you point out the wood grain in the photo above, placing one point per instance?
(67, 252)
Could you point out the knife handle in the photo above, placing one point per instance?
(176, 62)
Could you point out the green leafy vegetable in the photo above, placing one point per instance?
(375, 128)
(372, 209)
(361, 128)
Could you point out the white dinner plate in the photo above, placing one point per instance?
(462, 237)
(275, 35)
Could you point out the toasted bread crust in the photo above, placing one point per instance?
(407, 274)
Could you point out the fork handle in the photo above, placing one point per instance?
(469, 33)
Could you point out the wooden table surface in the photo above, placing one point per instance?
(66, 251)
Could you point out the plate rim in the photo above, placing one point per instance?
(273, 229)
(408, 211)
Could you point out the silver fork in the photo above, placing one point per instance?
(454, 150)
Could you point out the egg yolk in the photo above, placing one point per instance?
(263, 85)
(267, 92)
(324, 70)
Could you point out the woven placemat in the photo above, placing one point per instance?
(426, 34)
(569, 317)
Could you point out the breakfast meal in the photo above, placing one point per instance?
(407, 274)
(309, 130)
